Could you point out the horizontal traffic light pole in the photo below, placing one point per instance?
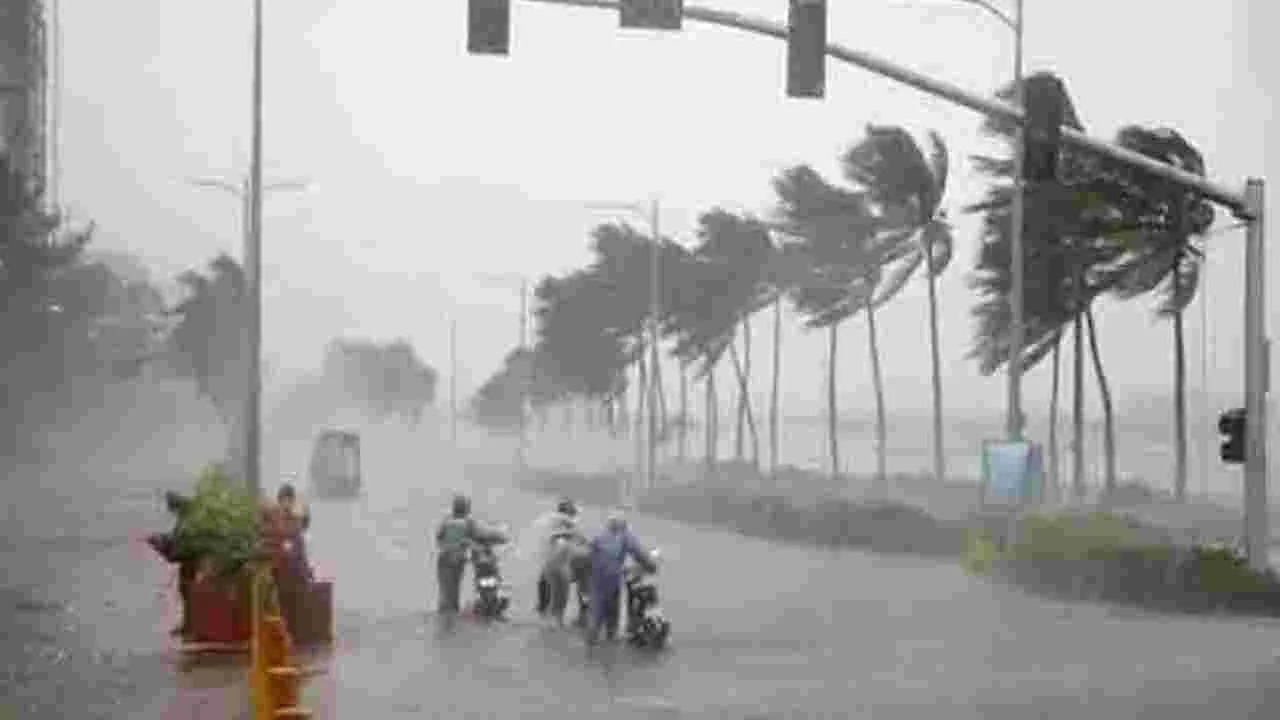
(1232, 199)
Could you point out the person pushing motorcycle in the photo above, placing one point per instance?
(454, 538)
(609, 552)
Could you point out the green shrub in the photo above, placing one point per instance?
(221, 524)
(1099, 556)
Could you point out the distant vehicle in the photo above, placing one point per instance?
(335, 465)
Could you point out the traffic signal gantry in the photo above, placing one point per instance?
(1042, 119)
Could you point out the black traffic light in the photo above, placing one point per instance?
(651, 14)
(489, 27)
(1231, 425)
(1045, 104)
(807, 49)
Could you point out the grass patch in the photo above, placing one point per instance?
(1104, 557)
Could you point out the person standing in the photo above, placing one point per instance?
(454, 537)
(551, 526)
(609, 552)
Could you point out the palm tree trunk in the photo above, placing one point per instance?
(877, 381)
(1179, 404)
(773, 399)
(642, 386)
(1077, 411)
(939, 449)
(1108, 412)
(832, 424)
(684, 413)
(744, 409)
(661, 406)
(712, 421)
(1054, 467)
(748, 405)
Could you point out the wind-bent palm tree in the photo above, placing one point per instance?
(907, 189)
(1062, 237)
(1100, 230)
(717, 287)
(1165, 257)
(834, 229)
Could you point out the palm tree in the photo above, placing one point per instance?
(1062, 235)
(1165, 257)
(907, 189)
(717, 287)
(1105, 228)
(833, 228)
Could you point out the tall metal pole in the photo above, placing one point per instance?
(655, 312)
(1017, 290)
(1206, 447)
(253, 271)
(1256, 381)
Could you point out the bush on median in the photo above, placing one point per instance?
(1105, 557)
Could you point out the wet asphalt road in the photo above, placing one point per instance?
(761, 630)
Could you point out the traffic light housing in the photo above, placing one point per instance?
(807, 49)
(489, 27)
(651, 14)
(1231, 425)
(1045, 106)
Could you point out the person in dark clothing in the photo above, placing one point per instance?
(166, 546)
(454, 538)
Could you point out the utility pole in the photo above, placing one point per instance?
(253, 272)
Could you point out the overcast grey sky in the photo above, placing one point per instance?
(430, 166)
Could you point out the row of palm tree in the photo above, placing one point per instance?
(835, 250)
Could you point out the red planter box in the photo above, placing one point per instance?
(220, 611)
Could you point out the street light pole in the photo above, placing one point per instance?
(1014, 422)
(253, 272)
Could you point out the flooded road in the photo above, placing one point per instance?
(761, 629)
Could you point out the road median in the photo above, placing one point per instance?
(1077, 554)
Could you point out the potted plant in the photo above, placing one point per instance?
(220, 527)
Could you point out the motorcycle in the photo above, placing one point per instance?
(647, 625)
(493, 596)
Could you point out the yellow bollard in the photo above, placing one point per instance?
(275, 683)
(285, 684)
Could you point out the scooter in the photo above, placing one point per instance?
(647, 626)
(493, 596)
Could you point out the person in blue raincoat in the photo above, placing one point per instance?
(609, 552)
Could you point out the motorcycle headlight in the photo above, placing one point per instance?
(488, 582)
